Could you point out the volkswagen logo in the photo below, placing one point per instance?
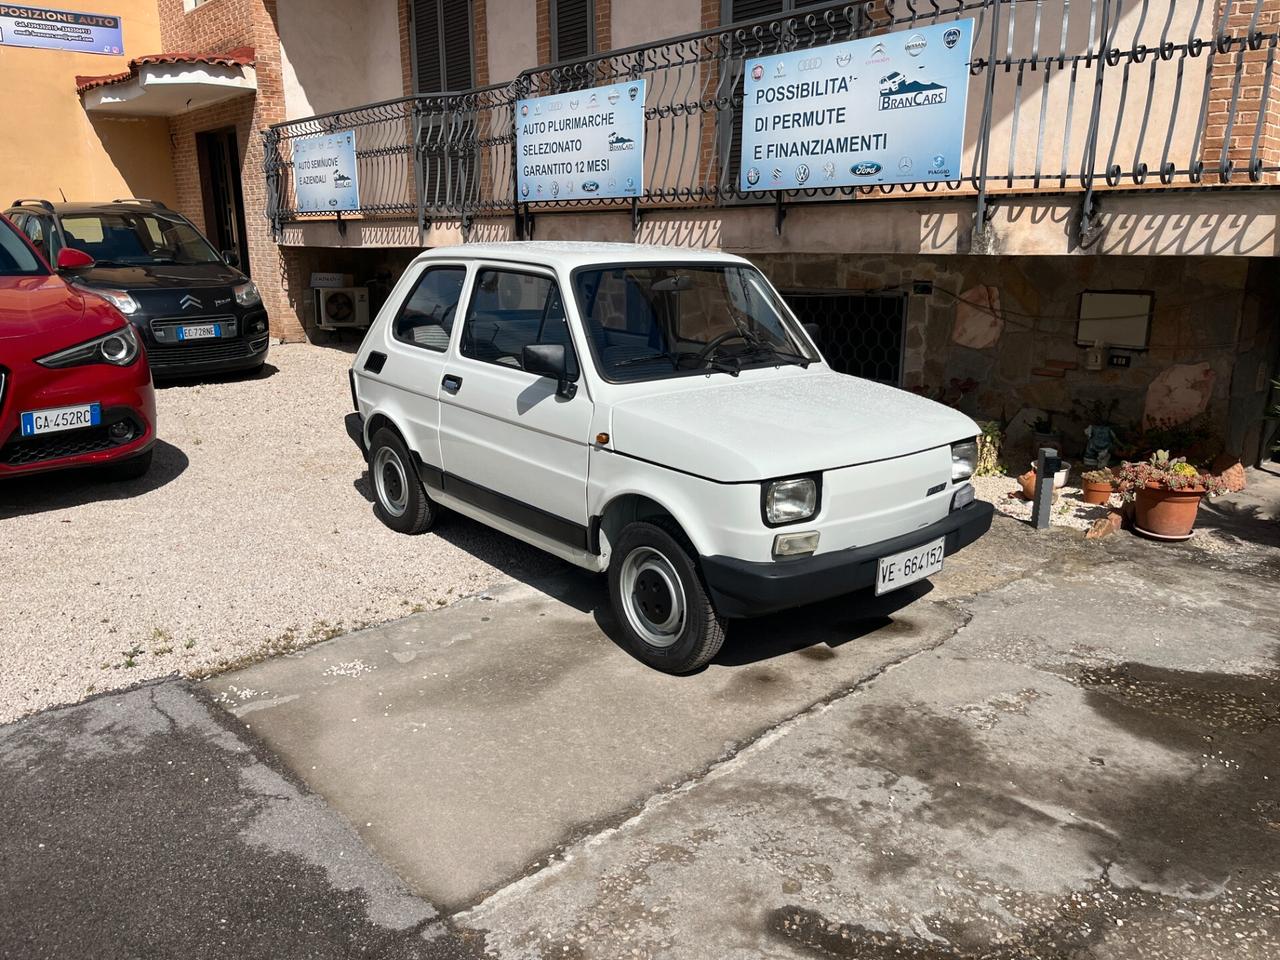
(802, 173)
(190, 303)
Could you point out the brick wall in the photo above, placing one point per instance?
(1245, 70)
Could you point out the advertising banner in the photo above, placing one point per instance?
(587, 144)
(324, 173)
(23, 26)
(885, 109)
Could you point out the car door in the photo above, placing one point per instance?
(404, 377)
(513, 444)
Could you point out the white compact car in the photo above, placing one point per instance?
(661, 415)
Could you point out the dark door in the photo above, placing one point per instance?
(862, 335)
(223, 199)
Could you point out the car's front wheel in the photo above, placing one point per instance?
(399, 500)
(660, 600)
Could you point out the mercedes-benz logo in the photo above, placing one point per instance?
(190, 303)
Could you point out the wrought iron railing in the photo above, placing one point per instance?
(1065, 96)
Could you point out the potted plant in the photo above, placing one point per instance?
(1166, 493)
(1043, 435)
(1097, 486)
(989, 443)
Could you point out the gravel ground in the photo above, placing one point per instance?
(253, 534)
(1070, 511)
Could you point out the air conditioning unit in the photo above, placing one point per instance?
(342, 308)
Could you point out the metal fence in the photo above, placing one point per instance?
(1065, 96)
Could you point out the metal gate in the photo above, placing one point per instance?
(859, 334)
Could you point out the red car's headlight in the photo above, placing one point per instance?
(120, 347)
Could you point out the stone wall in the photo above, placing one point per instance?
(1009, 324)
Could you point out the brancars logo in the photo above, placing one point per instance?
(867, 168)
(618, 142)
(916, 45)
(951, 38)
(897, 93)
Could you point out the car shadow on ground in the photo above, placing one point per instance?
(72, 488)
(265, 372)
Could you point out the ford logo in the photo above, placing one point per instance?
(868, 168)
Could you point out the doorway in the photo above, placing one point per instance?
(861, 335)
(219, 158)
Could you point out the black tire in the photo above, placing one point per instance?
(399, 499)
(645, 558)
(132, 469)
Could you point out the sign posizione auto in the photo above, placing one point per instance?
(584, 145)
(325, 178)
(23, 26)
(886, 109)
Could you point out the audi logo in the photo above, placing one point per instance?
(812, 63)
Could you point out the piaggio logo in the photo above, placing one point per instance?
(898, 93)
(190, 303)
(867, 168)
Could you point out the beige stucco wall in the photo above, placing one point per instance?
(49, 142)
(513, 37)
(641, 22)
(336, 54)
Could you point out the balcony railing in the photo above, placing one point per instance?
(1065, 96)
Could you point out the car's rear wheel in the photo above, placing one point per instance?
(399, 500)
(660, 600)
(132, 469)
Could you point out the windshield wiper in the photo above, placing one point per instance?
(632, 361)
(721, 363)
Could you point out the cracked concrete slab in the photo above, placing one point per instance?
(140, 825)
(470, 743)
(1087, 768)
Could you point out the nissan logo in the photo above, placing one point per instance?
(190, 303)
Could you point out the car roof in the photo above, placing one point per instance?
(89, 206)
(569, 255)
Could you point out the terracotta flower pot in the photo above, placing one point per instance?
(1097, 493)
(1167, 513)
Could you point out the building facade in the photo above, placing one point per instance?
(1117, 157)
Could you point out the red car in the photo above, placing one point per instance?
(75, 388)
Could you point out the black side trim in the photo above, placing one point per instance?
(509, 508)
(744, 588)
(374, 361)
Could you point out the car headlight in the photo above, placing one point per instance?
(247, 294)
(964, 460)
(119, 348)
(119, 299)
(788, 501)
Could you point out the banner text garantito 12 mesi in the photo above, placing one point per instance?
(23, 26)
(584, 145)
(886, 109)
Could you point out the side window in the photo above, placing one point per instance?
(37, 233)
(426, 319)
(510, 311)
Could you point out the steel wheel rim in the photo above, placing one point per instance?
(391, 483)
(648, 579)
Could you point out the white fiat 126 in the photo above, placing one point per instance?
(661, 415)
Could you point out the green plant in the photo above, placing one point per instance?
(1099, 476)
(989, 443)
(1167, 473)
(131, 656)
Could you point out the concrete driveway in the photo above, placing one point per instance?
(1064, 749)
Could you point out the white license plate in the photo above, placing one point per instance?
(56, 419)
(203, 331)
(910, 566)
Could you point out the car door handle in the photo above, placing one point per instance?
(451, 382)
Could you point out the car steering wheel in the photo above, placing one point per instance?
(725, 337)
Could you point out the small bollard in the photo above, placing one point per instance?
(1047, 465)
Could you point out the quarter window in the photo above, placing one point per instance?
(426, 319)
(510, 311)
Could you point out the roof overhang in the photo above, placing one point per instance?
(168, 84)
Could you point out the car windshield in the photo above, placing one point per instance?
(129, 238)
(16, 258)
(659, 320)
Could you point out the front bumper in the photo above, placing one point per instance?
(227, 354)
(745, 588)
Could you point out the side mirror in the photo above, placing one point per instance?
(69, 258)
(549, 360)
(231, 257)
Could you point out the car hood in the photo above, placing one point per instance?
(160, 276)
(780, 422)
(31, 307)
